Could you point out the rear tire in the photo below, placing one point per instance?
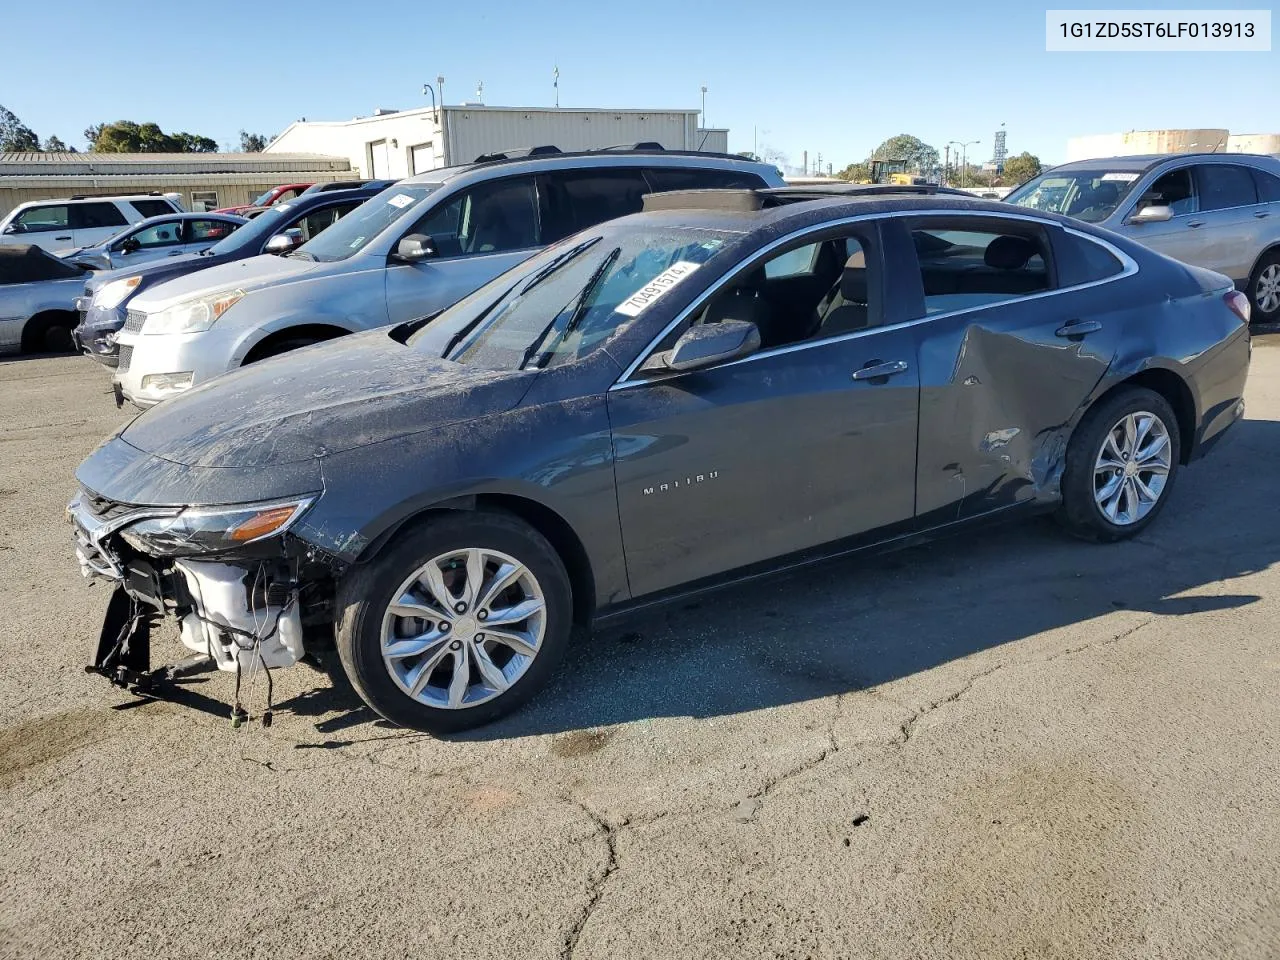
(1121, 465)
(1264, 288)
(443, 663)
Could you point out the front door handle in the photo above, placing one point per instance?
(880, 370)
(1078, 328)
(67, 237)
(1195, 223)
(1262, 214)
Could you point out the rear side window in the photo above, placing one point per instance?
(968, 265)
(90, 216)
(151, 208)
(1223, 186)
(577, 199)
(1083, 261)
(203, 231)
(672, 178)
(1268, 186)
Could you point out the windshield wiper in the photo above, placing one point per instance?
(579, 311)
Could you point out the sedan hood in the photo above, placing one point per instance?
(324, 399)
(156, 270)
(250, 274)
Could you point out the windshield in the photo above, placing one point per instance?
(263, 199)
(256, 232)
(354, 231)
(569, 299)
(1089, 195)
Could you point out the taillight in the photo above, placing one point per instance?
(1238, 303)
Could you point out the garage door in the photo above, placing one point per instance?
(423, 157)
(379, 160)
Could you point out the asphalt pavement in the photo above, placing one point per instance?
(1010, 744)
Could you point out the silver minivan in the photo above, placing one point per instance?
(1220, 211)
(408, 252)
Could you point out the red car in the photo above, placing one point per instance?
(284, 192)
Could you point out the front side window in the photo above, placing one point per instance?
(1089, 195)
(582, 198)
(1174, 190)
(492, 217)
(158, 235)
(357, 230)
(570, 299)
(1225, 185)
(962, 268)
(43, 219)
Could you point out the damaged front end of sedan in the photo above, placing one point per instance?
(246, 595)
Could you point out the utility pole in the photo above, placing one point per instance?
(946, 166)
(806, 163)
(704, 106)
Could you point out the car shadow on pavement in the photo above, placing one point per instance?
(851, 624)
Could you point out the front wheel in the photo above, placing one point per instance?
(458, 622)
(1121, 464)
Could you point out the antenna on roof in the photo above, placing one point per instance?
(555, 82)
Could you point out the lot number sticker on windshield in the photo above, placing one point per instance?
(640, 301)
(1122, 177)
(400, 200)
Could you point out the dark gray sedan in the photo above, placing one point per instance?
(725, 384)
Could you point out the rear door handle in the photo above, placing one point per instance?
(1078, 328)
(1195, 223)
(879, 369)
(1262, 214)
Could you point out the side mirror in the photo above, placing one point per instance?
(131, 244)
(707, 344)
(1156, 213)
(284, 242)
(415, 247)
(13, 228)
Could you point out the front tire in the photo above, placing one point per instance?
(1264, 289)
(1121, 464)
(459, 621)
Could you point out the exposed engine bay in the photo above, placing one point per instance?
(240, 611)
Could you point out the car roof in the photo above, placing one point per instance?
(108, 198)
(587, 159)
(1147, 161)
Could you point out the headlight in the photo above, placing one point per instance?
(214, 529)
(113, 294)
(192, 316)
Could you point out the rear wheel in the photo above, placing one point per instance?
(1264, 289)
(1121, 464)
(458, 622)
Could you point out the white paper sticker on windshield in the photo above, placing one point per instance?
(640, 301)
(282, 207)
(400, 200)
(1122, 177)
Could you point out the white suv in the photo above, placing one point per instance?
(80, 221)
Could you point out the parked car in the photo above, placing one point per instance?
(657, 404)
(37, 291)
(105, 304)
(80, 221)
(414, 249)
(1220, 211)
(171, 235)
(283, 192)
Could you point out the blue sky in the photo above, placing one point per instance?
(835, 82)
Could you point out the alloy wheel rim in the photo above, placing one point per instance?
(463, 628)
(1132, 468)
(1267, 296)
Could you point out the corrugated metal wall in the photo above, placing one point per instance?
(472, 132)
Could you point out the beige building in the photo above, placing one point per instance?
(204, 180)
(1200, 140)
(392, 144)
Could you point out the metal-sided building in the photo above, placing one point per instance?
(205, 180)
(400, 143)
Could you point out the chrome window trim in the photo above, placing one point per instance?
(1128, 264)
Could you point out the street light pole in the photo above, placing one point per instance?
(964, 157)
(704, 106)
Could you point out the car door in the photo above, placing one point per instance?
(1232, 235)
(93, 222)
(47, 226)
(151, 242)
(799, 444)
(1007, 356)
(1178, 237)
(479, 232)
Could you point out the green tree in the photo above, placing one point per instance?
(855, 173)
(16, 136)
(126, 136)
(919, 155)
(1021, 168)
(55, 145)
(253, 142)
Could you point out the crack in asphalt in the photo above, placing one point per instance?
(609, 833)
